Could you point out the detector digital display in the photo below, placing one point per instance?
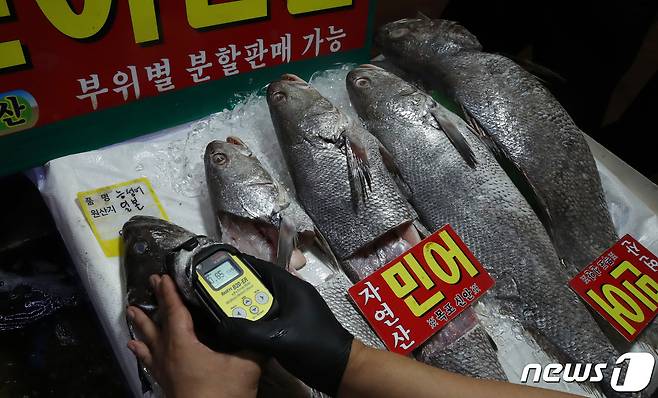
(222, 274)
(229, 287)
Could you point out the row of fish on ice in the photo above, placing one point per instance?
(516, 180)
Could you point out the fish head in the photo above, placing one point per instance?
(229, 162)
(424, 38)
(377, 94)
(300, 113)
(238, 183)
(147, 241)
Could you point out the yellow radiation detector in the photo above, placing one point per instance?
(230, 287)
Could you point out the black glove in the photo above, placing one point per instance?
(305, 337)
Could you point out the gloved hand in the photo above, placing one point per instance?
(305, 337)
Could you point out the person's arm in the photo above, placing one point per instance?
(382, 374)
(311, 344)
(180, 363)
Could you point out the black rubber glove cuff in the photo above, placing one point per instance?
(305, 337)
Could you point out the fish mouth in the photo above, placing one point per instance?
(135, 225)
(151, 228)
(369, 66)
(400, 23)
(278, 90)
(293, 78)
(218, 145)
(235, 141)
(407, 20)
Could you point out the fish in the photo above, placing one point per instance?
(254, 212)
(247, 200)
(336, 166)
(155, 246)
(345, 184)
(532, 135)
(454, 179)
(146, 244)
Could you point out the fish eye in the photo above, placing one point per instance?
(278, 96)
(362, 82)
(140, 247)
(397, 33)
(219, 158)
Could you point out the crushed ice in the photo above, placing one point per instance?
(180, 161)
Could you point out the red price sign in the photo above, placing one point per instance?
(622, 285)
(418, 293)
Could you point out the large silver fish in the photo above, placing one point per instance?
(455, 180)
(534, 137)
(253, 208)
(342, 180)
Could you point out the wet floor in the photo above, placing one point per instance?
(52, 344)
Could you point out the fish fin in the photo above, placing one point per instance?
(514, 172)
(422, 230)
(393, 169)
(324, 247)
(145, 378)
(287, 243)
(455, 136)
(422, 16)
(358, 167)
(218, 227)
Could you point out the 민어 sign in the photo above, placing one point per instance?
(622, 286)
(414, 296)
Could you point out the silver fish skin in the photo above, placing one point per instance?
(337, 168)
(240, 186)
(334, 292)
(485, 208)
(254, 211)
(526, 123)
(318, 140)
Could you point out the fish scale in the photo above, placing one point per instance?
(485, 208)
(328, 200)
(310, 129)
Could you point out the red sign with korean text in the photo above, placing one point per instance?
(73, 57)
(622, 286)
(414, 296)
